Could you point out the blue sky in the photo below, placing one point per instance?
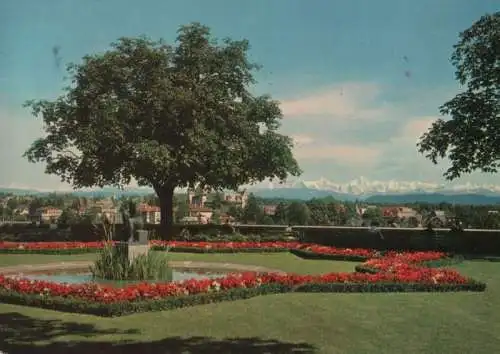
(359, 80)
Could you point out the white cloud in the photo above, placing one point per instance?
(357, 132)
(347, 101)
(342, 132)
(400, 155)
(414, 129)
(302, 139)
(349, 155)
(18, 129)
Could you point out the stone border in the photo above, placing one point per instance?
(83, 266)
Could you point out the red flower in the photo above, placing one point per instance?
(396, 267)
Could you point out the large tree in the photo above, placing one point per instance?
(166, 115)
(471, 138)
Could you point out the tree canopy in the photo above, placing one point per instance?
(471, 138)
(165, 115)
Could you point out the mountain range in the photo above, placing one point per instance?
(386, 192)
(361, 189)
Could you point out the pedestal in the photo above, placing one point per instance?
(127, 252)
(137, 250)
(141, 247)
(142, 236)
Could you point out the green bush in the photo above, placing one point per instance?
(153, 266)
(332, 257)
(123, 308)
(220, 250)
(113, 264)
(217, 236)
(49, 251)
(470, 242)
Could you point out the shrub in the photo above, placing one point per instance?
(380, 272)
(113, 264)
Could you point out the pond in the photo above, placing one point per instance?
(177, 274)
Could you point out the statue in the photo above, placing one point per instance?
(129, 225)
(132, 224)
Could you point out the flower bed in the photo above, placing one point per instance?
(51, 247)
(387, 272)
(302, 249)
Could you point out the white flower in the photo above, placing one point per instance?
(215, 285)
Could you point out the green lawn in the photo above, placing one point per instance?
(289, 323)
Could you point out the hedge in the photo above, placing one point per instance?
(107, 302)
(331, 257)
(471, 242)
(49, 251)
(74, 305)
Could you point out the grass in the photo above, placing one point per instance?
(13, 259)
(282, 261)
(290, 323)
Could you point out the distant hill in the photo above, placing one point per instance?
(115, 192)
(434, 198)
(101, 193)
(301, 194)
(17, 191)
(403, 198)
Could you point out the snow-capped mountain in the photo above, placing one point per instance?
(358, 189)
(362, 186)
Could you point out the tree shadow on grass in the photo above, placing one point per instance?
(18, 332)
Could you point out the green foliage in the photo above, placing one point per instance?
(216, 201)
(266, 220)
(182, 209)
(320, 213)
(223, 250)
(470, 139)
(176, 302)
(281, 214)
(129, 206)
(298, 213)
(217, 236)
(113, 264)
(215, 219)
(305, 254)
(82, 250)
(235, 212)
(373, 216)
(155, 112)
(252, 212)
(68, 217)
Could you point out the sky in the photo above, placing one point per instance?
(359, 81)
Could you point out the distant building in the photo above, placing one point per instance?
(341, 208)
(226, 219)
(151, 214)
(203, 214)
(361, 211)
(197, 198)
(22, 210)
(406, 213)
(270, 210)
(390, 212)
(112, 214)
(189, 220)
(46, 214)
(399, 212)
(103, 208)
(237, 198)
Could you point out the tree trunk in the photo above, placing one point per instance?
(166, 196)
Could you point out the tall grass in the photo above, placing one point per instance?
(113, 264)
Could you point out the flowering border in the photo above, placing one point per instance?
(380, 272)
